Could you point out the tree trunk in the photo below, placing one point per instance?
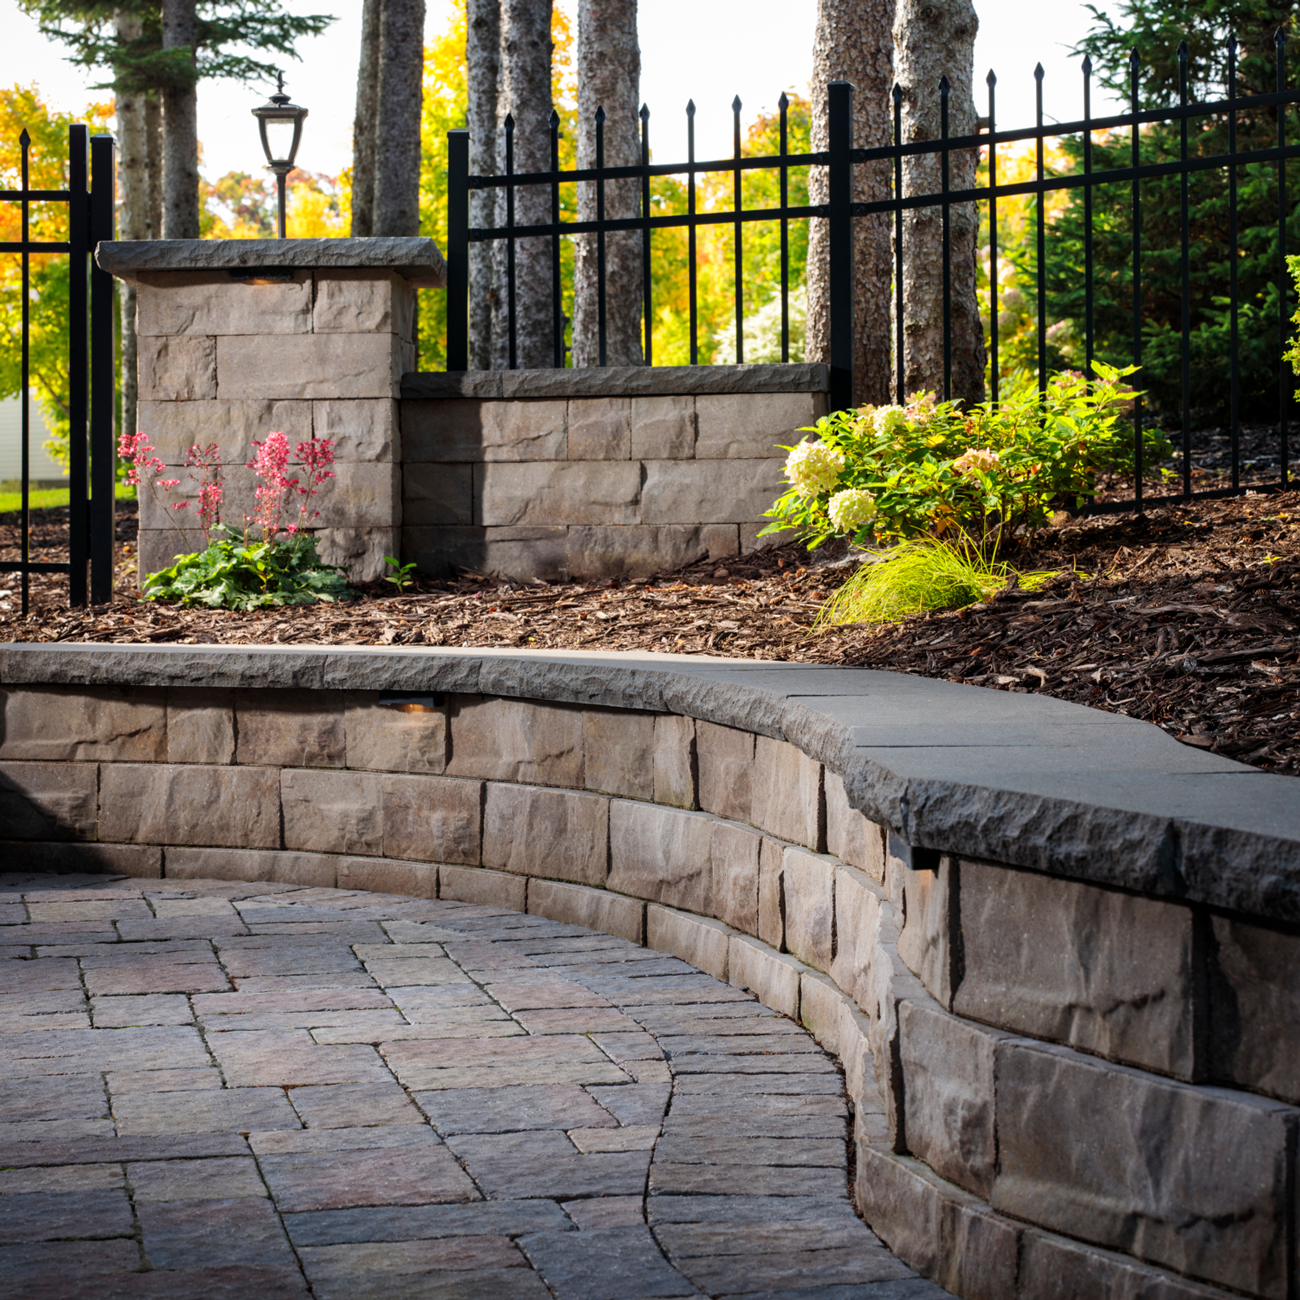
(934, 39)
(133, 213)
(153, 134)
(609, 77)
(363, 126)
(180, 218)
(525, 93)
(397, 136)
(483, 60)
(854, 43)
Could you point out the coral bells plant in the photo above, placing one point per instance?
(274, 561)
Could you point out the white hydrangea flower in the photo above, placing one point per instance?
(851, 509)
(813, 467)
(977, 458)
(887, 419)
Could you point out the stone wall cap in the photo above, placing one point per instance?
(415, 259)
(1031, 781)
(616, 381)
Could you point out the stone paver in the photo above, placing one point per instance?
(213, 1089)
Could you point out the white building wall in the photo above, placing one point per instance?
(42, 468)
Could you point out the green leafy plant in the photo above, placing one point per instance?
(399, 574)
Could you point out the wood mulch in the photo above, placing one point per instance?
(1186, 617)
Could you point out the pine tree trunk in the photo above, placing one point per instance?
(854, 43)
(483, 60)
(609, 77)
(525, 93)
(153, 133)
(133, 213)
(397, 137)
(363, 125)
(934, 39)
(180, 218)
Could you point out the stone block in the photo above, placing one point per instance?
(294, 728)
(633, 551)
(663, 428)
(594, 908)
(200, 726)
(1108, 972)
(78, 857)
(939, 1230)
(726, 766)
(83, 723)
(948, 1080)
(822, 1011)
(361, 430)
(437, 494)
(698, 942)
(1192, 1179)
(858, 907)
(156, 548)
(926, 941)
(191, 804)
(362, 495)
(753, 539)
(516, 740)
(483, 431)
(557, 834)
(179, 369)
(1254, 1006)
(174, 427)
(661, 854)
(722, 541)
(432, 819)
(360, 551)
(1055, 1268)
(674, 761)
(332, 812)
(618, 752)
(383, 876)
(716, 492)
(382, 739)
(600, 428)
(310, 870)
(752, 426)
(788, 800)
(199, 303)
(517, 554)
(305, 366)
(771, 976)
(808, 884)
(734, 853)
(849, 835)
(486, 888)
(363, 302)
(771, 897)
(561, 492)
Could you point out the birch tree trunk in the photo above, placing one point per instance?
(363, 125)
(397, 132)
(934, 39)
(609, 77)
(483, 61)
(525, 93)
(133, 213)
(180, 217)
(854, 43)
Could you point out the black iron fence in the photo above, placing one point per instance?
(91, 389)
(841, 158)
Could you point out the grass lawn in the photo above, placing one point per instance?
(50, 498)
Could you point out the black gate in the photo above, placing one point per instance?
(92, 457)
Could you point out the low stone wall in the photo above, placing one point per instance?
(596, 473)
(1075, 1063)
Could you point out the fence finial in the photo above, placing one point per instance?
(784, 101)
(645, 112)
(690, 108)
(1182, 51)
(510, 122)
(1232, 43)
(945, 86)
(24, 139)
(600, 112)
(1039, 74)
(1087, 64)
(736, 105)
(554, 119)
(1279, 37)
(992, 78)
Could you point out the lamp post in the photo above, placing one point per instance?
(280, 123)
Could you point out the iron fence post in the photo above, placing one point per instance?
(79, 248)
(840, 114)
(458, 249)
(103, 452)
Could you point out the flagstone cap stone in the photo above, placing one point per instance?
(1025, 780)
(415, 259)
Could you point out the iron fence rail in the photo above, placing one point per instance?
(91, 453)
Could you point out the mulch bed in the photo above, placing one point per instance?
(1187, 618)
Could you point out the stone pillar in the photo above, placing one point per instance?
(310, 337)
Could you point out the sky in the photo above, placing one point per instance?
(709, 50)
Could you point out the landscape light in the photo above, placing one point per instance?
(280, 123)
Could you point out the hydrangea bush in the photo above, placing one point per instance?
(934, 469)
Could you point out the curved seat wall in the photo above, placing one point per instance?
(1066, 995)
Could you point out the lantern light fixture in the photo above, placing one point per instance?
(280, 123)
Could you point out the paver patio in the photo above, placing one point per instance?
(214, 1089)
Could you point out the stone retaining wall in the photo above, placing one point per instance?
(1063, 1087)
